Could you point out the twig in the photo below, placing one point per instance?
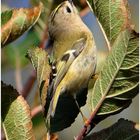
(53, 136)
(84, 11)
(18, 73)
(36, 110)
(44, 38)
(2, 134)
(86, 128)
(89, 125)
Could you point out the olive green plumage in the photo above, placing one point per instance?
(74, 52)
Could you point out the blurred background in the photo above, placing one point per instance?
(18, 71)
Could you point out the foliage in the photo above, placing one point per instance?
(113, 91)
(123, 130)
(112, 15)
(15, 22)
(116, 84)
(18, 50)
(16, 116)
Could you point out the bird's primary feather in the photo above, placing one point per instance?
(62, 68)
(67, 59)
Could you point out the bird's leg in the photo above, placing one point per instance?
(85, 120)
(83, 117)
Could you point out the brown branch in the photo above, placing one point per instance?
(18, 72)
(44, 38)
(36, 110)
(2, 134)
(86, 128)
(88, 124)
(53, 136)
(84, 11)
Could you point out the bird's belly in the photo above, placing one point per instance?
(79, 74)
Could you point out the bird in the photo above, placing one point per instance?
(73, 54)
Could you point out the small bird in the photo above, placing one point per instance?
(73, 52)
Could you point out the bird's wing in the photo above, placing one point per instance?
(62, 68)
(67, 59)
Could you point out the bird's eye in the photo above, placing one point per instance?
(68, 9)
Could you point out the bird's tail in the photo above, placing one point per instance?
(54, 101)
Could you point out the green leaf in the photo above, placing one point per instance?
(113, 16)
(116, 84)
(122, 130)
(40, 61)
(16, 118)
(15, 22)
(112, 105)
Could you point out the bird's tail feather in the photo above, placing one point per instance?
(54, 101)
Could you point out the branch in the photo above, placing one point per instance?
(36, 110)
(88, 124)
(87, 128)
(18, 73)
(2, 134)
(44, 38)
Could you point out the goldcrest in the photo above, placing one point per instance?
(74, 52)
